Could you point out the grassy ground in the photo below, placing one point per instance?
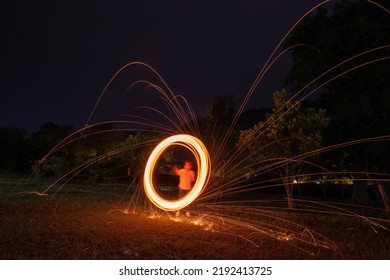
(84, 226)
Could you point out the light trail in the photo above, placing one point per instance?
(202, 158)
(224, 206)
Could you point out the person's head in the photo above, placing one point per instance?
(187, 165)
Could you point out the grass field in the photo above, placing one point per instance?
(86, 225)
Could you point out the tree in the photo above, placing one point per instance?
(220, 114)
(13, 154)
(218, 134)
(42, 141)
(358, 101)
(355, 38)
(137, 148)
(277, 143)
(98, 148)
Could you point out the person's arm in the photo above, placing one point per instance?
(175, 170)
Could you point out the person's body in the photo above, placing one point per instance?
(186, 181)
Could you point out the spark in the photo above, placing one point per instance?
(244, 218)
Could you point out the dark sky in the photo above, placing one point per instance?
(57, 56)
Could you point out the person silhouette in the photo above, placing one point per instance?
(186, 181)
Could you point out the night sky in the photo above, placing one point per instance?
(57, 56)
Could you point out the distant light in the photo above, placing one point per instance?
(203, 162)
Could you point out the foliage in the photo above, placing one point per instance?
(286, 134)
(218, 122)
(47, 136)
(353, 27)
(358, 101)
(136, 149)
(220, 113)
(96, 148)
(13, 153)
(41, 142)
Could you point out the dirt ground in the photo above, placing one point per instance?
(34, 227)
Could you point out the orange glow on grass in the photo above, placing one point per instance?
(202, 158)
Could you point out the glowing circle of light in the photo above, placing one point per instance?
(202, 158)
